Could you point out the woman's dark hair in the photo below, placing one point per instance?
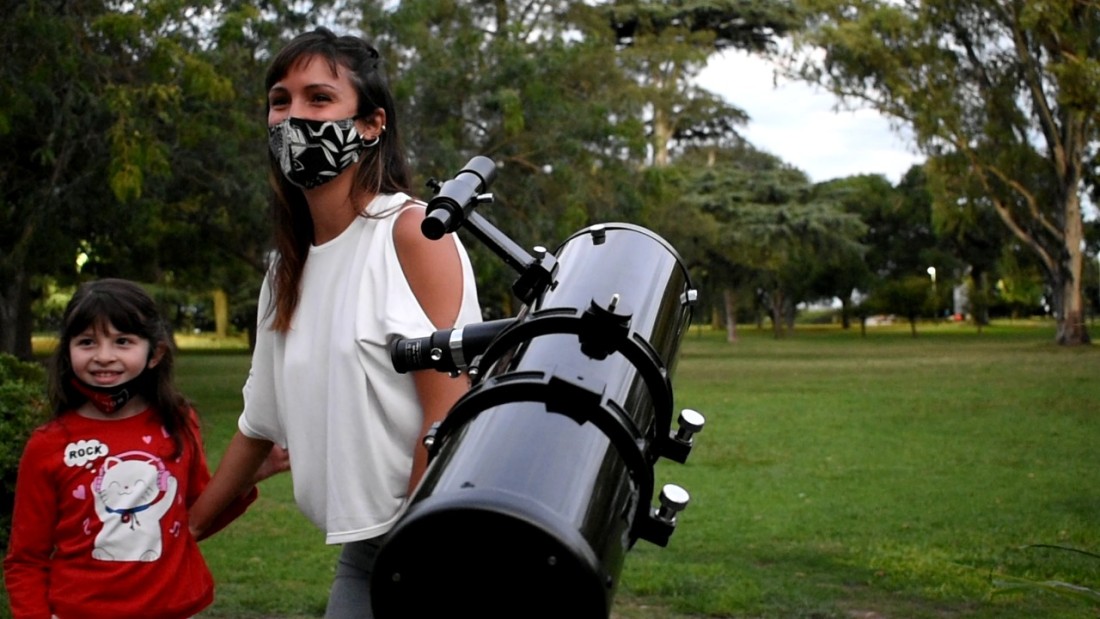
(125, 306)
(382, 169)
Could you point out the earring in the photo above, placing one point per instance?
(368, 142)
(383, 128)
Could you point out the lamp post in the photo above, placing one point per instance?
(935, 299)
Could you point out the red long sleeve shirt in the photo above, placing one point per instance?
(99, 529)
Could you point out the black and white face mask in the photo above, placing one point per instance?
(313, 152)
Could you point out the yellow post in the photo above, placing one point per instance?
(221, 312)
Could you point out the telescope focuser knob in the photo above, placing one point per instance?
(674, 500)
(691, 422)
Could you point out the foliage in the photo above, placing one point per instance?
(53, 117)
(23, 407)
(569, 110)
(1001, 96)
(662, 46)
(770, 232)
(589, 109)
(503, 80)
(136, 141)
(911, 296)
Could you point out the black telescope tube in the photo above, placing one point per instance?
(448, 209)
(543, 471)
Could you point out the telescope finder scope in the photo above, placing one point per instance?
(455, 198)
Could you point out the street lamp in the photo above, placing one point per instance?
(935, 299)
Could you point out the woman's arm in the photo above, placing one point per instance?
(434, 272)
(236, 474)
(437, 392)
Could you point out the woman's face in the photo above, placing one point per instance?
(310, 90)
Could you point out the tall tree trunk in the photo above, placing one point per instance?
(1071, 326)
(730, 302)
(16, 321)
(777, 314)
(846, 313)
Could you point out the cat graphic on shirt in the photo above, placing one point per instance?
(126, 501)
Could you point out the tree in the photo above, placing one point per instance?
(135, 139)
(910, 296)
(967, 225)
(663, 46)
(769, 230)
(899, 241)
(504, 80)
(53, 116)
(1013, 88)
(864, 196)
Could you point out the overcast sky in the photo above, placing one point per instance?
(797, 123)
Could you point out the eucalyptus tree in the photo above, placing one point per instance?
(1011, 87)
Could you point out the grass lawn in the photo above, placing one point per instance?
(884, 476)
(838, 476)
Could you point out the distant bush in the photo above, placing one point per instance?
(818, 317)
(23, 407)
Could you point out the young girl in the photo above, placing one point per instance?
(99, 528)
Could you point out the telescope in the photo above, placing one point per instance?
(541, 477)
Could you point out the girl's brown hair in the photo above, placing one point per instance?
(382, 169)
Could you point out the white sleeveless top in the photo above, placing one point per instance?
(327, 390)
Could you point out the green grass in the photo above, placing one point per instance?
(841, 475)
(838, 476)
(271, 562)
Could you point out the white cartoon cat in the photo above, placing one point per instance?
(126, 502)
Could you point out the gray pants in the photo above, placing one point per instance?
(350, 595)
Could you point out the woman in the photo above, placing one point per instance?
(352, 272)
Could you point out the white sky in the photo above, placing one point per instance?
(797, 123)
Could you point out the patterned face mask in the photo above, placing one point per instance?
(313, 152)
(109, 400)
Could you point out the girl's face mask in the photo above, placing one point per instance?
(313, 152)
